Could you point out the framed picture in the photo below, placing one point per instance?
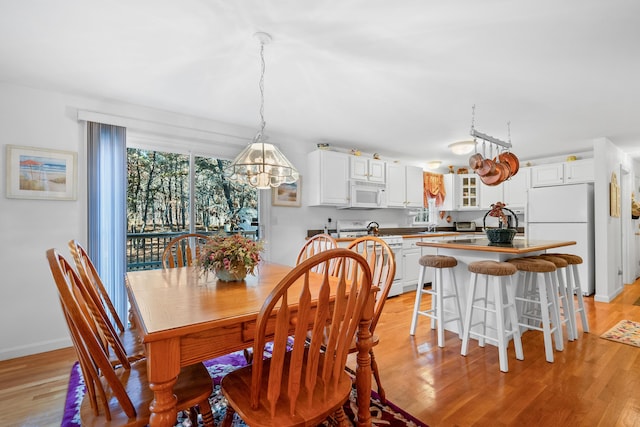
(287, 194)
(37, 173)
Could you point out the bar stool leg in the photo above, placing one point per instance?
(568, 310)
(544, 309)
(416, 306)
(467, 314)
(577, 288)
(437, 321)
(513, 317)
(499, 306)
(457, 301)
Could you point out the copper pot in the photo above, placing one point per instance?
(502, 173)
(512, 160)
(475, 161)
(488, 168)
(491, 178)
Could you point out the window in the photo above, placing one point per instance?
(163, 187)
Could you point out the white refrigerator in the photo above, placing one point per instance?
(565, 212)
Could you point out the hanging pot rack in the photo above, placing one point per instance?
(493, 170)
(488, 138)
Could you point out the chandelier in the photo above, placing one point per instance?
(260, 164)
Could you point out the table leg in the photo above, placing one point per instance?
(363, 368)
(163, 367)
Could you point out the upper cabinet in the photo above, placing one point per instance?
(516, 187)
(579, 171)
(467, 191)
(512, 192)
(327, 182)
(575, 172)
(364, 169)
(449, 203)
(490, 194)
(405, 186)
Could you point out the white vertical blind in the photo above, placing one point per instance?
(107, 222)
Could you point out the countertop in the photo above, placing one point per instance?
(520, 245)
(417, 235)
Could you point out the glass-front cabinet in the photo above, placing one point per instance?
(467, 191)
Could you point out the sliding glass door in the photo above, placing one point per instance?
(169, 194)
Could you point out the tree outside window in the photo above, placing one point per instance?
(159, 201)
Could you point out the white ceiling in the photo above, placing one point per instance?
(398, 78)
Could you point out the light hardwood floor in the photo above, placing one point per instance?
(593, 382)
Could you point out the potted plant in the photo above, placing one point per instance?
(230, 257)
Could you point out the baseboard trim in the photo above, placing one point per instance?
(34, 348)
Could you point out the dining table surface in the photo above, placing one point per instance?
(186, 317)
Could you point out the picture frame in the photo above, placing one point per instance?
(40, 173)
(287, 194)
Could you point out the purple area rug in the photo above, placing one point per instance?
(382, 414)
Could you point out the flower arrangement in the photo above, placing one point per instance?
(496, 211)
(235, 255)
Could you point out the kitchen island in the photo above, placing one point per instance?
(487, 250)
(467, 249)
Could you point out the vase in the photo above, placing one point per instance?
(235, 275)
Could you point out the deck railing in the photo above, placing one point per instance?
(144, 250)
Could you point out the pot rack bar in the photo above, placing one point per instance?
(474, 133)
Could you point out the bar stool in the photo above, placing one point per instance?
(540, 295)
(574, 288)
(437, 292)
(567, 312)
(506, 328)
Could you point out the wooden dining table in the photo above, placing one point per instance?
(185, 317)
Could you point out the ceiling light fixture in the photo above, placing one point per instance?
(435, 164)
(462, 147)
(260, 164)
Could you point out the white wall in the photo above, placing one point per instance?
(608, 235)
(30, 313)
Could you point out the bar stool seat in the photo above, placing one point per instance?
(437, 311)
(507, 327)
(539, 301)
(574, 288)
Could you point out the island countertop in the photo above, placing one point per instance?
(519, 245)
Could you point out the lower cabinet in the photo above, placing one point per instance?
(411, 254)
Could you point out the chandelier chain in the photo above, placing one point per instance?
(262, 122)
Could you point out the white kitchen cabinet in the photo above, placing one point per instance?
(411, 253)
(364, 169)
(449, 203)
(551, 174)
(512, 192)
(489, 194)
(327, 182)
(515, 189)
(467, 194)
(404, 186)
(575, 172)
(579, 171)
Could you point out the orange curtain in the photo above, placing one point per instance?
(434, 187)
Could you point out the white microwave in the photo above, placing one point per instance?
(367, 195)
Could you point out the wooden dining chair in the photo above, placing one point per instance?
(382, 264)
(183, 251)
(131, 343)
(117, 395)
(304, 385)
(314, 245)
